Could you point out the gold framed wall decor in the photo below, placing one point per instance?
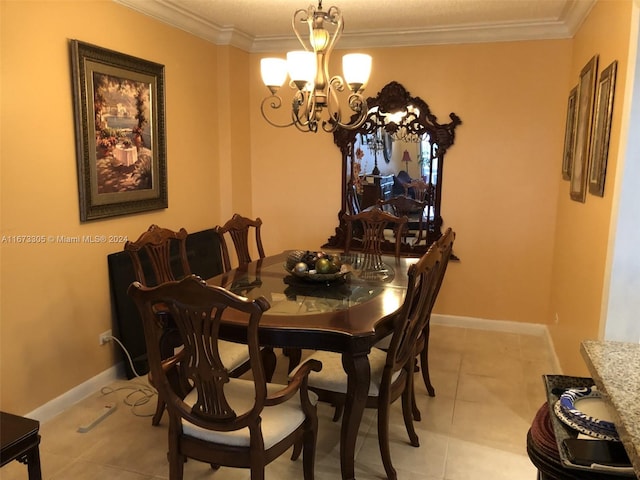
(580, 166)
(602, 129)
(120, 132)
(569, 134)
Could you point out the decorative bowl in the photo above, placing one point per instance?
(317, 277)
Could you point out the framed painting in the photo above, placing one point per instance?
(602, 129)
(569, 134)
(580, 165)
(120, 132)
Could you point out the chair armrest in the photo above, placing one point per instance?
(171, 362)
(298, 382)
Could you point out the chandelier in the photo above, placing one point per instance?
(315, 99)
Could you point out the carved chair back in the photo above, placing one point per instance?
(374, 221)
(160, 245)
(238, 229)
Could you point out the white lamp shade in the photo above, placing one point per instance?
(356, 68)
(302, 66)
(274, 71)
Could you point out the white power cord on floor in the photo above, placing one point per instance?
(141, 393)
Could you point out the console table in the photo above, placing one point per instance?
(19, 440)
(615, 368)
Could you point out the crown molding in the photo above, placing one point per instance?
(563, 27)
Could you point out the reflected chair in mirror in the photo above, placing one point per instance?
(213, 417)
(353, 203)
(422, 192)
(238, 229)
(166, 251)
(402, 206)
(419, 190)
(374, 221)
(445, 245)
(392, 371)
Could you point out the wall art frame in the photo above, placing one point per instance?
(570, 134)
(602, 129)
(585, 101)
(119, 113)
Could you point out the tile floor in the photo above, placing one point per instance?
(488, 388)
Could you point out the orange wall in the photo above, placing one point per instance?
(500, 177)
(582, 230)
(502, 189)
(55, 298)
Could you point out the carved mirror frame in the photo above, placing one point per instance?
(418, 121)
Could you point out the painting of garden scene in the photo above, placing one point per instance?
(124, 152)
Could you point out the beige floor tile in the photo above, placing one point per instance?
(498, 343)
(436, 414)
(534, 347)
(81, 470)
(490, 390)
(441, 358)
(448, 338)
(469, 460)
(427, 459)
(492, 364)
(488, 387)
(494, 425)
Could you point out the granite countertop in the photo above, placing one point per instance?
(615, 368)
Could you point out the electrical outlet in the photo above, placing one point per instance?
(104, 337)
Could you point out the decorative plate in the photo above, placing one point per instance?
(567, 409)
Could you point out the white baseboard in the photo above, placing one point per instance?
(492, 325)
(82, 391)
(536, 329)
(60, 404)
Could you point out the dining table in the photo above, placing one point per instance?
(347, 314)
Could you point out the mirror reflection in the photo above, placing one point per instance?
(397, 152)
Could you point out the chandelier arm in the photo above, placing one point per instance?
(336, 84)
(304, 118)
(275, 104)
(335, 17)
(309, 112)
(300, 16)
(362, 116)
(356, 101)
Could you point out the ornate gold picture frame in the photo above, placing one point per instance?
(120, 132)
(580, 165)
(602, 129)
(570, 134)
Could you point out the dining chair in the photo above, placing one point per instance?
(238, 229)
(445, 245)
(374, 221)
(166, 252)
(213, 417)
(391, 370)
(403, 205)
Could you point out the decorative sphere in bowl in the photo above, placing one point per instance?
(315, 266)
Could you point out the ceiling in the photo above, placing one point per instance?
(260, 26)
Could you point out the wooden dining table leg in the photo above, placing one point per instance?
(358, 374)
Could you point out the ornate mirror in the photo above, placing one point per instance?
(398, 151)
